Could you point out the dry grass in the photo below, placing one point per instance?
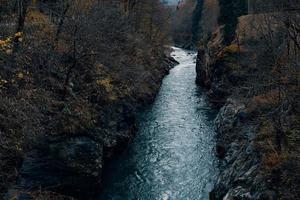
(273, 159)
(230, 50)
(264, 101)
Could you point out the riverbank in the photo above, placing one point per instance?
(258, 122)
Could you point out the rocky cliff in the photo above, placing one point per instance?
(257, 125)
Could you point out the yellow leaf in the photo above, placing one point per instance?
(8, 51)
(8, 40)
(2, 42)
(20, 75)
(18, 34)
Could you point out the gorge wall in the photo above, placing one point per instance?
(249, 71)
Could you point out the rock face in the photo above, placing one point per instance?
(228, 59)
(240, 163)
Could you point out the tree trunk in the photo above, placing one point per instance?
(22, 11)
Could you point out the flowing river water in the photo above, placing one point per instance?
(172, 156)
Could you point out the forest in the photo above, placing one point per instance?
(74, 72)
(91, 90)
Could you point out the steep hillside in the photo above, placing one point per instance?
(186, 23)
(72, 78)
(249, 66)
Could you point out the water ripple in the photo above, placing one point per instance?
(171, 157)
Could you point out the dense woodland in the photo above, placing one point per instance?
(75, 69)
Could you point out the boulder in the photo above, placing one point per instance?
(228, 116)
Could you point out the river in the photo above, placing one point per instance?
(172, 156)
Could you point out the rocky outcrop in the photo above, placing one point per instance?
(240, 163)
(230, 65)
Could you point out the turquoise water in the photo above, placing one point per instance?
(172, 156)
